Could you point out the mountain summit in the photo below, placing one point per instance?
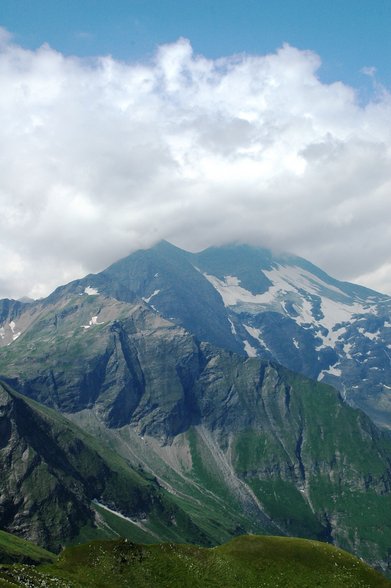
(255, 303)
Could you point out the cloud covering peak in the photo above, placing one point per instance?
(100, 157)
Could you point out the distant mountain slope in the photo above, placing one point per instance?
(245, 561)
(51, 472)
(254, 302)
(284, 307)
(242, 445)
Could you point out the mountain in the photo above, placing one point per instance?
(285, 308)
(56, 481)
(245, 561)
(256, 303)
(238, 444)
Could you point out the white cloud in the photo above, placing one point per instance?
(380, 279)
(100, 157)
(369, 70)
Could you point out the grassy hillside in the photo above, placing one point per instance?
(16, 550)
(53, 473)
(247, 561)
(207, 444)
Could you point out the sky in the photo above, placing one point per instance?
(204, 123)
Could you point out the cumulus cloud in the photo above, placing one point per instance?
(100, 157)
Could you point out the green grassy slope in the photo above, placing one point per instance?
(14, 550)
(52, 472)
(341, 464)
(247, 561)
(243, 445)
(318, 468)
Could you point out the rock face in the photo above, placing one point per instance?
(255, 303)
(51, 472)
(241, 443)
(33, 479)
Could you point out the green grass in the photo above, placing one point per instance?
(74, 470)
(205, 471)
(123, 528)
(287, 506)
(244, 562)
(13, 550)
(112, 526)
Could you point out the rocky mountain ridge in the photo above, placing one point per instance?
(241, 444)
(256, 303)
(156, 358)
(54, 475)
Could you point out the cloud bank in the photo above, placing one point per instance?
(100, 157)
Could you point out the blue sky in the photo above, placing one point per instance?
(347, 34)
(199, 126)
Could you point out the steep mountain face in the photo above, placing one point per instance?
(166, 278)
(285, 308)
(52, 474)
(10, 311)
(241, 443)
(256, 303)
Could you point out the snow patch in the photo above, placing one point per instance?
(290, 281)
(255, 333)
(2, 332)
(233, 330)
(232, 281)
(118, 514)
(333, 371)
(304, 310)
(151, 296)
(370, 336)
(249, 349)
(337, 312)
(292, 278)
(91, 291)
(12, 326)
(93, 321)
(347, 349)
(324, 309)
(332, 337)
(231, 291)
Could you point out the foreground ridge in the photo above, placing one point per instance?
(245, 561)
